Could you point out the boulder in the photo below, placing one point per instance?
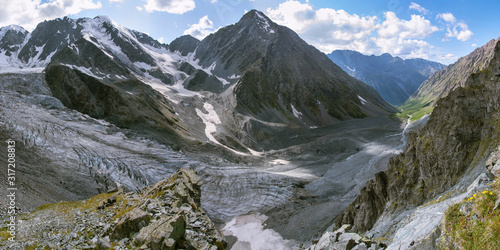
(165, 233)
(130, 223)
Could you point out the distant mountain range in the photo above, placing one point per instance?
(261, 73)
(394, 78)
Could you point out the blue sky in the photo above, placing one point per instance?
(436, 30)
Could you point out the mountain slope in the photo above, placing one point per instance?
(282, 76)
(394, 78)
(451, 149)
(444, 81)
(84, 78)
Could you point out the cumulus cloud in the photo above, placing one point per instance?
(406, 48)
(455, 28)
(329, 29)
(417, 7)
(416, 27)
(325, 28)
(448, 17)
(28, 13)
(170, 6)
(448, 57)
(201, 29)
(116, 1)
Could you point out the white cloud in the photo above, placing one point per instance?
(406, 48)
(325, 28)
(417, 7)
(474, 45)
(448, 57)
(139, 8)
(170, 6)
(454, 28)
(465, 35)
(329, 29)
(448, 17)
(28, 13)
(161, 39)
(201, 29)
(116, 1)
(416, 27)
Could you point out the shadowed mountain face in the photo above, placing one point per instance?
(394, 78)
(283, 77)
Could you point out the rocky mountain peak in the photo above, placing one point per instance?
(184, 44)
(11, 28)
(11, 38)
(255, 17)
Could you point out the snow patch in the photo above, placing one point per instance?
(296, 113)
(35, 70)
(353, 69)
(363, 101)
(279, 162)
(264, 24)
(251, 234)
(211, 119)
(143, 65)
(233, 76)
(86, 71)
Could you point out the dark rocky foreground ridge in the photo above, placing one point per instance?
(444, 155)
(166, 215)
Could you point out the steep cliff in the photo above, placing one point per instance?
(461, 132)
(443, 82)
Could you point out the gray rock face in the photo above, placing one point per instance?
(453, 76)
(184, 44)
(394, 78)
(130, 223)
(342, 240)
(461, 132)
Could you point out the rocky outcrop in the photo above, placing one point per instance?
(341, 239)
(453, 76)
(461, 132)
(164, 216)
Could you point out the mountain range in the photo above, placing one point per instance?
(257, 68)
(284, 141)
(394, 78)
